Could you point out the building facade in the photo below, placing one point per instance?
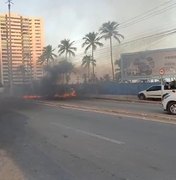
(21, 44)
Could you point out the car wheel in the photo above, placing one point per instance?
(142, 97)
(172, 108)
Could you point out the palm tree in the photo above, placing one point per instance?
(109, 30)
(66, 47)
(47, 55)
(91, 40)
(86, 62)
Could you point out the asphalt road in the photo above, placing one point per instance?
(53, 143)
(146, 110)
(152, 107)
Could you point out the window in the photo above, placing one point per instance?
(154, 88)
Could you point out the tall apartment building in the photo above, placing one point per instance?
(21, 43)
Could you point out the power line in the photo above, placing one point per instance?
(152, 31)
(135, 38)
(146, 15)
(104, 50)
(146, 12)
(160, 34)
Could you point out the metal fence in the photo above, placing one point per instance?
(113, 88)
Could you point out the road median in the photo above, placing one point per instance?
(163, 117)
(127, 98)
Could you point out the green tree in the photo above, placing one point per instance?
(86, 62)
(109, 30)
(47, 55)
(91, 41)
(66, 47)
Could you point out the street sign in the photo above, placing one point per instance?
(162, 71)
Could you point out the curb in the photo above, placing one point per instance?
(128, 113)
(125, 99)
(142, 115)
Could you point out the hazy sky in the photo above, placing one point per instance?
(74, 18)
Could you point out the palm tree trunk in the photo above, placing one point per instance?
(66, 55)
(93, 70)
(88, 71)
(24, 75)
(112, 63)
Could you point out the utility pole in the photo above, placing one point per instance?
(9, 2)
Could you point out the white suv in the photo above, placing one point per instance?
(154, 92)
(169, 102)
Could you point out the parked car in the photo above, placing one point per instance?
(169, 102)
(154, 92)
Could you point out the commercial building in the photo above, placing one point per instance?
(21, 43)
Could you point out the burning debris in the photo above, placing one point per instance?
(54, 84)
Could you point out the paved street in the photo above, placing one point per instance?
(152, 107)
(51, 142)
(143, 109)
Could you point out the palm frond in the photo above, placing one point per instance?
(66, 47)
(61, 52)
(110, 29)
(117, 38)
(91, 40)
(47, 55)
(99, 44)
(87, 48)
(71, 53)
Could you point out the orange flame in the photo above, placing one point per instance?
(31, 97)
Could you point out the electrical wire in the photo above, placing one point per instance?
(105, 53)
(146, 12)
(146, 16)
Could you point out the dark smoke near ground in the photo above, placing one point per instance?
(55, 82)
(56, 79)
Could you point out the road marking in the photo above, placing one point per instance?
(90, 134)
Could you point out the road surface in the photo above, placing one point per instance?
(150, 110)
(152, 107)
(48, 142)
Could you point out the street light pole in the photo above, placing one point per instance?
(10, 49)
